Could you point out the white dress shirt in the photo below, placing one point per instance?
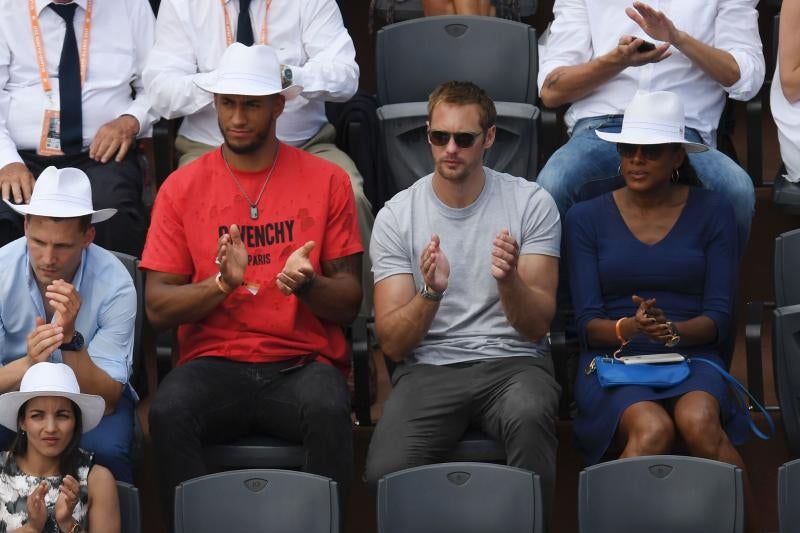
(122, 33)
(308, 36)
(586, 29)
(787, 118)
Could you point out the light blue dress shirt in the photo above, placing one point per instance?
(106, 318)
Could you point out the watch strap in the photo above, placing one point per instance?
(429, 294)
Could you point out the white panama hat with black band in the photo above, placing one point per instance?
(653, 118)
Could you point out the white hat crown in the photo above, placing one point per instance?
(51, 379)
(62, 193)
(247, 70)
(654, 118)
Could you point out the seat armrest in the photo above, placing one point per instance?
(360, 342)
(752, 333)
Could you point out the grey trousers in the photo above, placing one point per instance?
(321, 145)
(513, 399)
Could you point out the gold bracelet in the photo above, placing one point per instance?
(222, 285)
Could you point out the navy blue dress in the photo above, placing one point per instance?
(692, 271)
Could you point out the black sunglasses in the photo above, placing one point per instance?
(464, 139)
(649, 151)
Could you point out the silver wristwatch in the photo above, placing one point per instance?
(429, 294)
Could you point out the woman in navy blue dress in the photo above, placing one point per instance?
(653, 267)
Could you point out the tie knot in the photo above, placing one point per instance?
(65, 11)
(244, 5)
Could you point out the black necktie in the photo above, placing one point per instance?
(69, 84)
(244, 28)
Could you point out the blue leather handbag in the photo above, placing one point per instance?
(612, 372)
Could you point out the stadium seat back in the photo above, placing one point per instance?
(251, 501)
(787, 265)
(788, 496)
(661, 494)
(460, 498)
(786, 334)
(130, 518)
(415, 56)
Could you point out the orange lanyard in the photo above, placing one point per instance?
(229, 31)
(37, 41)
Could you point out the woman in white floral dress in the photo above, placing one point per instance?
(47, 483)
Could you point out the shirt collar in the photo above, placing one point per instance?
(42, 4)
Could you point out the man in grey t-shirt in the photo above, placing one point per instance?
(466, 268)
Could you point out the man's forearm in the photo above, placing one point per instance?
(92, 379)
(565, 85)
(529, 310)
(404, 328)
(718, 64)
(11, 374)
(335, 299)
(170, 305)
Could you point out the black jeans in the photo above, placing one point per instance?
(117, 185)
(212, 400)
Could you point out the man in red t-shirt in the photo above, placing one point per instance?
(254, 254)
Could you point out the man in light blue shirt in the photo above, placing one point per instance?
(64, 299)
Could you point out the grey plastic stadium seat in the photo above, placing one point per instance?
(787, 264)
(131, 263)
(129, 508)
(661, 494)
(786, 334)
(251, 501)
(416, 56)
(477, 446)
(408, 153)
(255, 451)
(498, 55)
(400, 10)
(788, 496)
(460, 498)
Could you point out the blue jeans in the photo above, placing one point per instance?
(110, 441)
(587, 165)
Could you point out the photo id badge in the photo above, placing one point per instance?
(50, 140)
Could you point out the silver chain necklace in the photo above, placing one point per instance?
(253, 205)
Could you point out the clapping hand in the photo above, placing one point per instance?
(650, 320)
(434, 266)
(68, 494)
(43, 341)
(37, 509)
(505, 254)
(232, 257)
(654, 23)
(298, 271)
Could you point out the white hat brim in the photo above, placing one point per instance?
(628, 138)
(46, 208)
(211, 82)
(92, 406)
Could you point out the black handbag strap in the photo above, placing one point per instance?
(741, 391)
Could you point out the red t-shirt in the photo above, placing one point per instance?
(306, 199)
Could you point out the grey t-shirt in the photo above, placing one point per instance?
(470, 323)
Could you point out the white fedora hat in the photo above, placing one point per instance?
(62, 193)
(248, 71)
(653, 118)
(51, 379)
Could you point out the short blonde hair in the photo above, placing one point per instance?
(464, 93)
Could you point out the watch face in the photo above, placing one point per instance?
(286, 77)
